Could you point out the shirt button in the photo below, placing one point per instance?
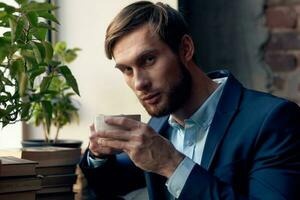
(190, 143)
(189, 126)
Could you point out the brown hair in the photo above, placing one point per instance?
(166, 21)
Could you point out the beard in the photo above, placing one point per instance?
(174, 97)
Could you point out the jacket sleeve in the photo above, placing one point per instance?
(117, 176)
(274, 169)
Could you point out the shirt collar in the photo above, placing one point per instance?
(203, 116)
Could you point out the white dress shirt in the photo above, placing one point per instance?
(190, 139)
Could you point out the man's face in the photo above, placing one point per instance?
(151, 69)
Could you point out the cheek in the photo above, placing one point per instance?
(129, 81)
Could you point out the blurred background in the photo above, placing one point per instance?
(257, 40)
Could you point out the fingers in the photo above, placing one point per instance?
(127, 123)
(116, 144)
(106, 142)
(95, 146)
(112, 134)
(101, 150)
(98, 149)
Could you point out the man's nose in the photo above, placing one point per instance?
(142, 81)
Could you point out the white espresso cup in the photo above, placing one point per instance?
(100, 124)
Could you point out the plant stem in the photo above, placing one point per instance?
(46, 134)
(56, 135)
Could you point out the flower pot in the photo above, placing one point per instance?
(59, 143)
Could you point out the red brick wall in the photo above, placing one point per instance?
(282, 53)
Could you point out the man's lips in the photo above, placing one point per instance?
(151, 98)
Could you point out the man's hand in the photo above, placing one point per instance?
(95, 145)
(147, 149)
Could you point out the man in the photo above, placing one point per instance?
(208, 138)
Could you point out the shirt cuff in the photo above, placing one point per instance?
(95, 162)
(177, 181)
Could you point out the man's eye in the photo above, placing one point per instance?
(149, 60)
(127, 70)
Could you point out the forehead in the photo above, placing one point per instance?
(136, 42)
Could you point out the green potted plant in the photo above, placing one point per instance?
(36, 85)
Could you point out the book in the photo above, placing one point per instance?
(56, 196)
(58, 180)
(12, 166)
(68, 169)
(52, 156)
(28, 195)
(46, 156)
(19, 184)
(58, 189)
(11, 152)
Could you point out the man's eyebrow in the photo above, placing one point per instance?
(138, 58)
(145, 53)
(119, 66)
(148, 51)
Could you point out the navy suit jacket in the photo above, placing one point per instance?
(252, 151)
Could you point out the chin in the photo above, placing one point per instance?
(157, 110)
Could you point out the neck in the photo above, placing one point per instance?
(202, 87)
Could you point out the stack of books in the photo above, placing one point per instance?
(18, 179)
(56, 168)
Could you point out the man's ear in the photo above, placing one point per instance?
(186, 50)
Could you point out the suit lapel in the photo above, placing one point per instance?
(226, 109)
(160, 125)
(156, 183)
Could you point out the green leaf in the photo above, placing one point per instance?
(39, 51)
(47, 111)
(48, 50)
(3, 98)
(19, 29)
(3, 14)
(17, 67)
(3, 49)
(2, 113)
(25, 110)
(45, 83)
(32, 18)
(35, 97)
(40, 33)
(60, 47)
(5, 122)
(48, 16)
(71, 81)
(2, 5)
(56, 83)
(46, 26)
(35, 7)
(7, 81)
(7, 35)
(70, 56)
(7, 8)
(3, 54)
(54, 63)
(28, 54)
